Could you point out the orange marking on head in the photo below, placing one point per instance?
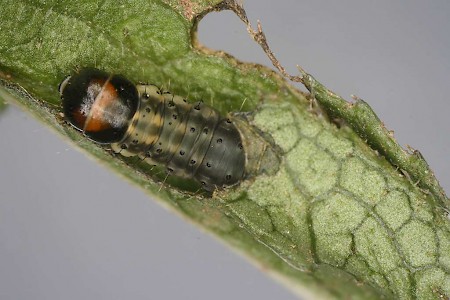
(97, 120)
(79, 118)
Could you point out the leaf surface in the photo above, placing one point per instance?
(336, 216)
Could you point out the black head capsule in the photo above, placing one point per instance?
(98, 104)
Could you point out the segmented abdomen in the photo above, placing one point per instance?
(191, 140)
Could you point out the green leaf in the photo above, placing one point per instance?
(365, 122)
(334, 215)
(2, 105)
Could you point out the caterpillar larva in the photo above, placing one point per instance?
(191, 140)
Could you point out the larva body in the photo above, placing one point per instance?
(191, 139)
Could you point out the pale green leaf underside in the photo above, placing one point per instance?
(336, 217)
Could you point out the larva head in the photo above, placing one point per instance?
(98, 104)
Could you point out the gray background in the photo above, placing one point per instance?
(70, 229)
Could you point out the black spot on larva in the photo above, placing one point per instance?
(194, 135)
